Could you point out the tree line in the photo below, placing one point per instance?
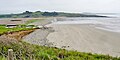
(28, 14)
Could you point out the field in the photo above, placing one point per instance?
(31, 21)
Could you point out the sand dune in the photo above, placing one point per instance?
(85, 38)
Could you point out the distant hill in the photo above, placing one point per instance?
(28, 14)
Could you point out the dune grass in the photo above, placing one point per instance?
(24, 51)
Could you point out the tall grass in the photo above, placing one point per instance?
(25, 51)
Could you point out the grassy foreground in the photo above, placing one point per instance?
(25, 51)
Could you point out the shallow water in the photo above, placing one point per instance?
(110, 24)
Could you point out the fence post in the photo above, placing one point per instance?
(10, 54)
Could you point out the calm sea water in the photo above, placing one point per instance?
(110, 24)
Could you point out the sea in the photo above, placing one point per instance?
(110, 24)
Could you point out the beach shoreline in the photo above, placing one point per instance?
(80, 37)
(85, 38)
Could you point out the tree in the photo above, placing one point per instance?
(50, 14)
(27, 12)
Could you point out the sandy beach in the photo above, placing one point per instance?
(85, 38)
(80, 37)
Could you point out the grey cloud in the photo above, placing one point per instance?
(10, 6)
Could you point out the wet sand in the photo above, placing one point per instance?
(85, 38)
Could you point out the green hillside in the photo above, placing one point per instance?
(28, 14)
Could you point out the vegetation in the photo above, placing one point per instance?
(25, 51)
(31, 21)
(4, 30)
(50, 14)
(28, 14)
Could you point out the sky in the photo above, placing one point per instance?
(73, 6)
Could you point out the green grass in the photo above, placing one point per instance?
(5, 30)
(34, 20)
(25, 51)
(31, 21)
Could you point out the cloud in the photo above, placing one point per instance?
(9, 6)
